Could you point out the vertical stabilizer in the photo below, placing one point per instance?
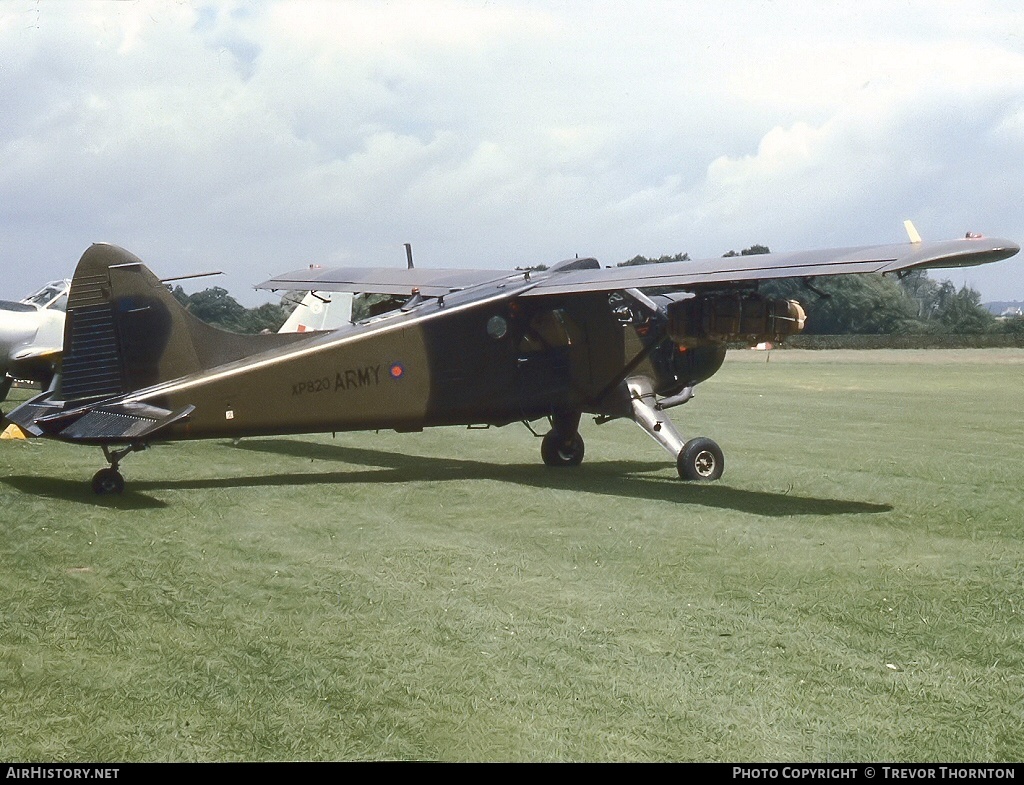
(125, 331)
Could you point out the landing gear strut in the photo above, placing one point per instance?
(699, 459)
(563, 445)
(109, 481)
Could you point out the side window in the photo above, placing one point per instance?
(547, 330)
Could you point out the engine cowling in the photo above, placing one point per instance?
(733, 317)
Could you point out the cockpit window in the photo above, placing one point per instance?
(366, 306)
(53, 295)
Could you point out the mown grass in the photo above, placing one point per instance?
(851, 590)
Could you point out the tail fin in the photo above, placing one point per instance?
(125, 331)
(320, 311)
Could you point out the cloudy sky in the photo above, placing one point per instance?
(257, 137)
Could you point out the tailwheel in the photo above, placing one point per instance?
(107, 481)
(557, 450)
(700, 460)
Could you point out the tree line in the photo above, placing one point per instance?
(877, 304)
(835, 305)
(215, 306)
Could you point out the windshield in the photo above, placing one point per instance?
(53, 295)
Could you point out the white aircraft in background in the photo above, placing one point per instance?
(32, 335)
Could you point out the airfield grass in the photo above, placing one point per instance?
(850, 590)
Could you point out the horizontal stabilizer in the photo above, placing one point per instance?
(117, 422)
(25, 416)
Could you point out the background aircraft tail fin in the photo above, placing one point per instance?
(125, 331)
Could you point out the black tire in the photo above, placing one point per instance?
(557, 452)
(107, 481)
(700, 460)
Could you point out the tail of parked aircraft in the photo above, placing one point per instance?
(126, 331)
(320, 311)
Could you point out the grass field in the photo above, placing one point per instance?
(850, 590)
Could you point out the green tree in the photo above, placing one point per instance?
(963, 313)
(215, 306)
(876, 304)
(679, 257)
(1014, 326)
(753, 250)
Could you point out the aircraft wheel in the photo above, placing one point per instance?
(107, 481)
(556, 452)
(700, 460)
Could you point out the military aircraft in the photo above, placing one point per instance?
(31, 333)
(463, 347)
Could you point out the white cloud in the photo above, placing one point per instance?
(260, 137)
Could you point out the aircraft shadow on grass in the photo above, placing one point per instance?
(610, 478)
(76, 491)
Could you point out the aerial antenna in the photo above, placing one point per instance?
(186, 277)
(408, 254)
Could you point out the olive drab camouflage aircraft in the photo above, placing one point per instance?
(451, 347)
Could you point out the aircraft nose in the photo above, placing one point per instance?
(16, 328)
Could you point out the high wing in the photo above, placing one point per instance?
(587, 275)
(966, 252)
(381, 280)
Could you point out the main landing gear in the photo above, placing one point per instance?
(563, 445)
(698, 459)
(109, 481)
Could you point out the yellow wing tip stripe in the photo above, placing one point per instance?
(915, 238)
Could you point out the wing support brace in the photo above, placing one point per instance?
(650, 417)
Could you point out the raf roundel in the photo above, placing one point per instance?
(396, 371)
